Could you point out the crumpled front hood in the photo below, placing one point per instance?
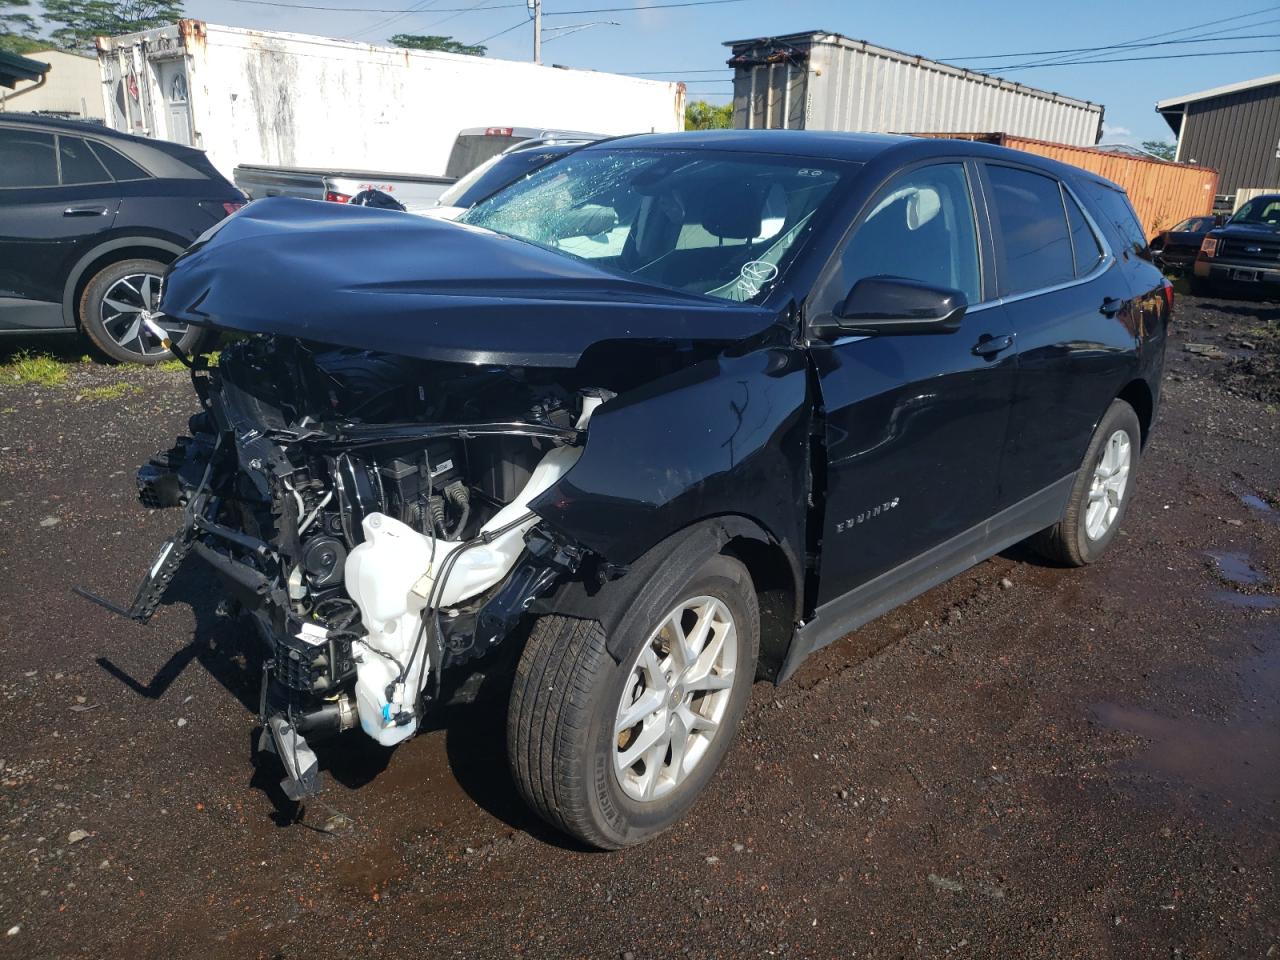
(397, 283)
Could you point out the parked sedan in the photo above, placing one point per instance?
(1175, 249)
(660, 419)
(89, 221)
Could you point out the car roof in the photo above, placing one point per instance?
(163, 159)
(857, 147)
(851, 147)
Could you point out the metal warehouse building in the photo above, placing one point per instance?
(1236, 129)
(824, 81)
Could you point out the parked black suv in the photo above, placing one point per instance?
(661, 418)
(1243, 254)
(89, 219)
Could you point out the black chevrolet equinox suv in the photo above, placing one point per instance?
(658, 420)
(89, 220)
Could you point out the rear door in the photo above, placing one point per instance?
(915, 424)
(1072, 309)
(56, 197)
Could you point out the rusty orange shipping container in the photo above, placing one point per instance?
(1163, 193)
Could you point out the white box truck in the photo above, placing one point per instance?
(384, 116)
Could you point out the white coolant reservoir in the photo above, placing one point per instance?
(391, 576)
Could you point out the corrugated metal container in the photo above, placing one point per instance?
(1162, 193)
(253, 97)
(823, 81)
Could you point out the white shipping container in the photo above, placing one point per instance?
(824, 81)
(293, 100)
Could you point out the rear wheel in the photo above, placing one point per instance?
(615, 752)
(119, 311)
(1101, 492)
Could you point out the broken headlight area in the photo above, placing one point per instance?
(371, 514)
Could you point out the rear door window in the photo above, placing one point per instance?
(78, 163)
(1036, 243)
(27, 159)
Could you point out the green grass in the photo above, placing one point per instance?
(114, 391)
(37, 368)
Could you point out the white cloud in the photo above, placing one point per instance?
(1113, 133)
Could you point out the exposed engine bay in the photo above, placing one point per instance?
(371, 514)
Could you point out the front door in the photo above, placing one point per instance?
(915, 424)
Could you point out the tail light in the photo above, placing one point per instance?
(333, 196)
(1209, 246)
(1168, 295)
(498, 131)
(231, 206)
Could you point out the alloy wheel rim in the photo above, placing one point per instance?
(675, 698)
(1110, 482)
(129, 308)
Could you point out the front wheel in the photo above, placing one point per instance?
(119, 312)
(615, 752)
(1101, 492)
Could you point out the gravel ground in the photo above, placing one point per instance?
(1024, 762)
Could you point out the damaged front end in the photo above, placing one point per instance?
(371, 514)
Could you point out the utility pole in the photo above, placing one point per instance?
(536, 6)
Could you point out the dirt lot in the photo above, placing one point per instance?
(1025, 762)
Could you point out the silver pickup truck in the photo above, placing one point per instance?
(414, 191)
(418, 193)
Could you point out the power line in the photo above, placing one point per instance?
(1171, 33)
(494, 36)
(1137, 46)
(1167, 56)
(642, 9)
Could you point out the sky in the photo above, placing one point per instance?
(688, 39)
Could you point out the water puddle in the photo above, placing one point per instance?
(1255, 502)
(1236, 568)
(1233, 763)
(1246, 601)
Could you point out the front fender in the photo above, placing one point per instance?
(726, 435)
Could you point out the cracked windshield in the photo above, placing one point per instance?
(701, 223)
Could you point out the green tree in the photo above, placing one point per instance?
(1160, 148)
(17, 30)
(80, 21)
(701, 115)
(414, 41)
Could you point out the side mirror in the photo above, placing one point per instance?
(895, 305)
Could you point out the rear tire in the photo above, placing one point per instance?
(566, 740)
(1101, 493)
(112, 310)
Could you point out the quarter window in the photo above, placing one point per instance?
(79, 165)
(27, 159)
(1033, 227)
(1084, 242)
(921, 227)
(1114, 206)
(120, 167)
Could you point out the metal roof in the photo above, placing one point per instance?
(1174, 102)
(14, 68)
(910, 59)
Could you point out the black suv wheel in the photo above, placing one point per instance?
(119, 313)
(614, 752)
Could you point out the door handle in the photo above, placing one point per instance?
(989, 346)
(85, 212)
(1111, 306)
